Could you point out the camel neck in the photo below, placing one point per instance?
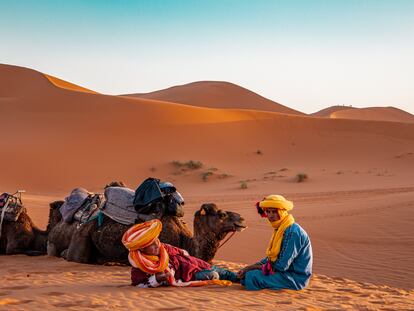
(206, 245)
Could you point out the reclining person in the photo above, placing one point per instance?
(155, 263)
(288, 262)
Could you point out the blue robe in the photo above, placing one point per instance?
(293, 266)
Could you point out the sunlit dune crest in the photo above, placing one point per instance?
(327, 112)
(217, 94)
(67, 85)
(391, 114)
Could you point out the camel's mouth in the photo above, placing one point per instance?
(239, 227)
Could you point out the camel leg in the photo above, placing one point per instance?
(17, 243)
(52, 249)
(80, 247)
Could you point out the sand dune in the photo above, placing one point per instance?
(391, 114)
(375, 113)
(327, 112)
(89, 139)
(216, 94)
(357, 204)
(67, 85)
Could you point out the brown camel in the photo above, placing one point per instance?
(90, 243)
(23, 237)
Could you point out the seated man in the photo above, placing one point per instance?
(155, 263)
(288, 261)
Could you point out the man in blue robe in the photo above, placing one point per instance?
(288, 261)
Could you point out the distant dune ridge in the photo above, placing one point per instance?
(217, 94)
(327, 112)
(55, 117)
(391, 114)
(375, 113)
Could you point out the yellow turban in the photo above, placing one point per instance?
(276, 201)
(285, 221)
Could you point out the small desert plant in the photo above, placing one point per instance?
(243, 185)
(259, 152)
(223, 175)
(301, 177)
(206, 175)
(191, 165)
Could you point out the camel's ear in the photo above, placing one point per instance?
(202, 212)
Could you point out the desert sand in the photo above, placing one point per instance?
(357, 204)
(216, 94)
(391, 114)
(46, 283)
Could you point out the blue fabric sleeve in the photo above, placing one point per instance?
(291, 246)
(261, 262)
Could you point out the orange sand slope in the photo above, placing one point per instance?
(67, 85)
(89, 139)
(360, 179)
(216, 94)
(326, 113)
(44, 283)
(391, 114)
(375, 113)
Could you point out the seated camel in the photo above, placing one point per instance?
(91, 243)
(23, 237)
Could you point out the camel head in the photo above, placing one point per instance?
(209, 219)
(54, 214)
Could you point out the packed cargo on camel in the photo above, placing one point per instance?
(99, 240)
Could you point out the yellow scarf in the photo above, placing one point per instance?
(285, 221)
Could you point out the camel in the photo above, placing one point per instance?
(23, 237)
(90, 243)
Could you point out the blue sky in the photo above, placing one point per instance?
(304, 54)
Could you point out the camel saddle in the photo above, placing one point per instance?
(10, 207)
(119, 205)
(89, 209)
(156, 197)
(73, 203)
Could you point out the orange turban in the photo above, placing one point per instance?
(140, 236)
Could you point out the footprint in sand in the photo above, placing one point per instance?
(53, 294)
(12, 301)
(66, 304)
(5, 293)
(15, 287)
(173, 309)
(348, 290)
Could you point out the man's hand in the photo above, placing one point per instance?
(162, 276)
(241, 274)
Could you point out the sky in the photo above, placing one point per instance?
(307, 55)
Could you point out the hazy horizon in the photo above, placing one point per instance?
(306, 55)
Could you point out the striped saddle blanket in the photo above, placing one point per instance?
(119, 205)
(89, 209)
(10, 207)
